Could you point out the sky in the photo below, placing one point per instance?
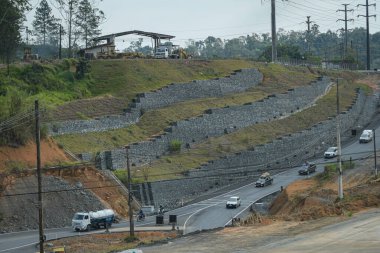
(225, 19)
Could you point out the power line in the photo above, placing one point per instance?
(367, 16)
(345, 20)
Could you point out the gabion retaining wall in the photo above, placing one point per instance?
(285, 151)
(216, 122)
(238, 81)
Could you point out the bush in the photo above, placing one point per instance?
(16, 167)
(175, 146)
(130, 239)
(82, 68)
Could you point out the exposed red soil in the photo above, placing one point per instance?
(27, 155)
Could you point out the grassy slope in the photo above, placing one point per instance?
(276, 79)
(126, 78)
(116, 82)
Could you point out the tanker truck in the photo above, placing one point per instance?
(85, 221)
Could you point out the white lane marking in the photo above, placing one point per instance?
(209, 203)
(248, 207)
(18, 247)
(184, 225)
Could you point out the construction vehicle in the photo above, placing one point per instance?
(28, 56)
(168, 50)
(117, 55)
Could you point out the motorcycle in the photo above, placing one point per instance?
(140, 217)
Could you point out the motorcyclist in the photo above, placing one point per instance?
(141, 215)
(161, 210)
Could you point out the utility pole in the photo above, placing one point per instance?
(339, 160)
(367, 16)
(130, 210)
(38, 145)
(60, 42)
(374, 150)
(308, 22)
(70, 24)
(27, 35)
(345, 20)
(274, 35)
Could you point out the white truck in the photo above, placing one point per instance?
(162, 52)
(168, 50)
(85, 221)
(366, 136)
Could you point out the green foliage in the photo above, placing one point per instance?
(82, 68)
(11, 22)
(283, 51)
(331, 170)
(327, 173)
(21, 132)
(130, 239)
(45, 24)
(15, 167)
(175, 146)
(88, 19)
(121, 175)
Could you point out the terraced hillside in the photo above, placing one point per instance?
(114, 83)
(276, 79)
(194, 130)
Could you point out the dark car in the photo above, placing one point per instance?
(307, 169)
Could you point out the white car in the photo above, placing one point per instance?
(366, 136)
(331, 152)
(233, 202)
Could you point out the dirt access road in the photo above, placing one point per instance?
(359, 233)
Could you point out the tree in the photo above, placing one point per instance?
(11, 18)
(44, 22)
(88, 19)
(135, 46)
(75, 29)
(68, 8)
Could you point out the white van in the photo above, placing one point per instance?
(366, 136)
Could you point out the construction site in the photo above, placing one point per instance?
(163, 48)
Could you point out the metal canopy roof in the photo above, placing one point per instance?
(148, 34)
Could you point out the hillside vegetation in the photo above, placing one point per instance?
(104, 89)
(277, 79)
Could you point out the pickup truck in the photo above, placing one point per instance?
(265, 179)
(307, 168)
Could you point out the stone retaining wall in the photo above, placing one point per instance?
(281, 153)
(216, 122)
(238, 81)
